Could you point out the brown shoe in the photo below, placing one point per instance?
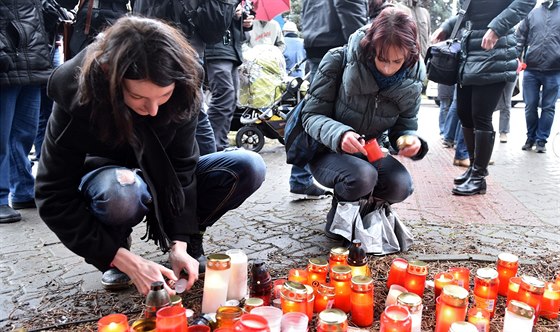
(461, 162)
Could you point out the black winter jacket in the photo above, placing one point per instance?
(538, 37)
(231, 51)
(481, 67)
(24, 50)
(168, 157)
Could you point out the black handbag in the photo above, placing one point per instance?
(443, 58)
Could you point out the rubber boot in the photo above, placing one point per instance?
(476, 184)
(468, 134)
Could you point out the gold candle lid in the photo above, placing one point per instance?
(326, 290)
(532, 284)
(343, 272)
(340, 251)
(486, 273)
(176, 300)
(508, 260)
(418, 268)
(455, 295)
(218, 262)
(462, 327)
(521, 309)
(318, 262)
(362, 283)
(294, 291)
(332, 317)
(410, 300)
(254, 302)
(144, 325)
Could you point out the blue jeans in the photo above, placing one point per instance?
(538, 128)
(224, 180)
(19, 113)
(46, 107)
(205, 135)
(300, 178)
(444, 104)
(353, 178)
(461, 151)
(451, 124)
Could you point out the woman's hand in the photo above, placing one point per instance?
(180, 261)
(248, 22)
(489, 40)
(141, 271)
(412, 148)
(352, 143)
(438, 36)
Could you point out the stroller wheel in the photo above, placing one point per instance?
(250, 138)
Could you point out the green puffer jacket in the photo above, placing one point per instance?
(481, 67)
(359, 105)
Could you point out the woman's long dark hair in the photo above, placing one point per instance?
(139, 49)
(392, 27)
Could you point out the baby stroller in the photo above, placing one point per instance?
(258, 123)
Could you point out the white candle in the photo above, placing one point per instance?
(237, 288)
(216, 281)
(394, 292)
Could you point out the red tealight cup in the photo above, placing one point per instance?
(397, 273)
(373, 150)
(113, 323)
(171, 319)
(461, 276)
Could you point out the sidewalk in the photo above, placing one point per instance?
(520, 213)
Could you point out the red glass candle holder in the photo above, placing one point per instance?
(506, 265)
(440, 280)
(298, 275)
(171, 319)
(324, 299)
(531, 292)
(453, 304)
(397, 273)
(486, 289)
(461, 276)
(361, 300)
(293, 297)
(479, 318)
(415, 279)
(277, 288)
(113, 323)
(550, 304)
(395, 318)
(199, 328)
(513, 289)
(374, 152)
(338, 256)
(341, 276)
(310, 298)
(317, 270)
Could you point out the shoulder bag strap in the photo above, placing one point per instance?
(88, 14)
(460, 19)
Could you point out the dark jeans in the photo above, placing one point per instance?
(224, 180)
(538, 128)
(476, 104)
(353, 178)
(224, 83)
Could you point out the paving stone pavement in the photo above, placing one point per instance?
(520, 212)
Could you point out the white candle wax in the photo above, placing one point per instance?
(237, 288)
(394, 292)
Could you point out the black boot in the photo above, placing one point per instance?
(476, 184)
(468, 134)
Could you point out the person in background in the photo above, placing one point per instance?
(222, 62)
(538, 38)
(294, 52)
(326, 24)
(445, 97)
(423, 22)
(489, 62)
(120, 148)
(504, 107)
(266, 32)
(24, 67)
(380, 90)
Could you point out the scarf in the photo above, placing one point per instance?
(384, 82)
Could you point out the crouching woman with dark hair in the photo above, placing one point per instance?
(120, 147)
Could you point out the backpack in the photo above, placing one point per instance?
(300, 146)
(209, 18)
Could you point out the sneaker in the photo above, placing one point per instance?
(8, 215)
(503, 138)
(24, 205)
(528, 146)
(541, 148)
(461, 162)
(196, 251)
(311, 192)
(447, 144)
(114, 279)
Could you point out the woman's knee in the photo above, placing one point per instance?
(117, 196)
(399, 188)
(357, 184)
(249, 167)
